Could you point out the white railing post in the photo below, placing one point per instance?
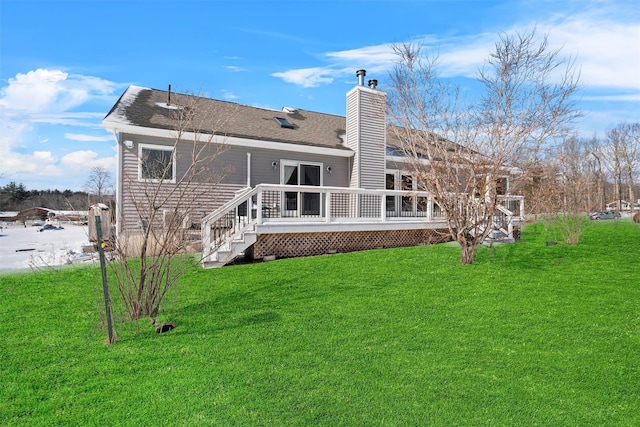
(327, 207)
(206, 240)
(383, 207)
(259, 207)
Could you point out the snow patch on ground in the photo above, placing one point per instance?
(24, 248)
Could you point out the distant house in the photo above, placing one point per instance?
(9, 216)
(303, 182)
(40, 214)
(619, 205)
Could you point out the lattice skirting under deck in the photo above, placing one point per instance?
(307, 244)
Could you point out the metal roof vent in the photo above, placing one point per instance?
(373, 83)
(361, 74)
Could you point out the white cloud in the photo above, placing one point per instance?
(235, 69)
(44, 90)
(34, 101)
(307, 77)
(620, 98)
(229, 95)
(33, 91)
(607, 52)
(368, 57)
(76, 119)
(604, 42)
(38, 163)
(79, 158)
(87, 138)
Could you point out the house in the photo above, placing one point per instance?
(301, 182)
(621, 205)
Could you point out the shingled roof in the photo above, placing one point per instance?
(159, 109)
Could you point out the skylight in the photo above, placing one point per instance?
(285, 123)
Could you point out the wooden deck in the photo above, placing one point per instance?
(280, 220)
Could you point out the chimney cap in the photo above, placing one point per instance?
(373, 83)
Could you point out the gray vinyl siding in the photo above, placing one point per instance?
(199, 198)
(213, 191)
(262, 171)
(205, 199)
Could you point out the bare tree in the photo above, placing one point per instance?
(99, 185)
(560, 193)
(597, 191)
(147, 263)
(624, 159)
(460, 149)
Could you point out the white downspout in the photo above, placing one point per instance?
(248, 170)
(120, 157)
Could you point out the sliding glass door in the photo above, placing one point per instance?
(301, 203)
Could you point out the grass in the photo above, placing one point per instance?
(528, 335)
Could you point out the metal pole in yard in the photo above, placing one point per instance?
(105, 286)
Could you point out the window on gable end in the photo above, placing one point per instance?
(157, 163)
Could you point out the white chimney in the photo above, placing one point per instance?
(366, 134)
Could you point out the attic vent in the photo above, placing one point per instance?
(285, 123)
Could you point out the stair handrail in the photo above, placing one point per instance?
(205, 227)
(233, 203)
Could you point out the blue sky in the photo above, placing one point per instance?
(63, 64)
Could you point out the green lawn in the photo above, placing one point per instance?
(528, 335)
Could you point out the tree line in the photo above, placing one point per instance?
(98, 188)
(15, 197)
(586, 174)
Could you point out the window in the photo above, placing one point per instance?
(406, 204)
(390, 184)
(305, 203)
(285, 123)
(502, 185)
(157, 163)
(407, 185)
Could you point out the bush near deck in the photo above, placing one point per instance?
(528, 335)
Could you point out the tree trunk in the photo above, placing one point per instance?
(468, 254)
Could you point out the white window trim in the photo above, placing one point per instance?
(297, 163)
(171, 148)
(303, 188)
(398, 174)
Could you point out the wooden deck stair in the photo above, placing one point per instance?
(230, 249)
(229, 231)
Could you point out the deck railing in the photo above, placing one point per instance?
(290, 203)
(338, 204)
